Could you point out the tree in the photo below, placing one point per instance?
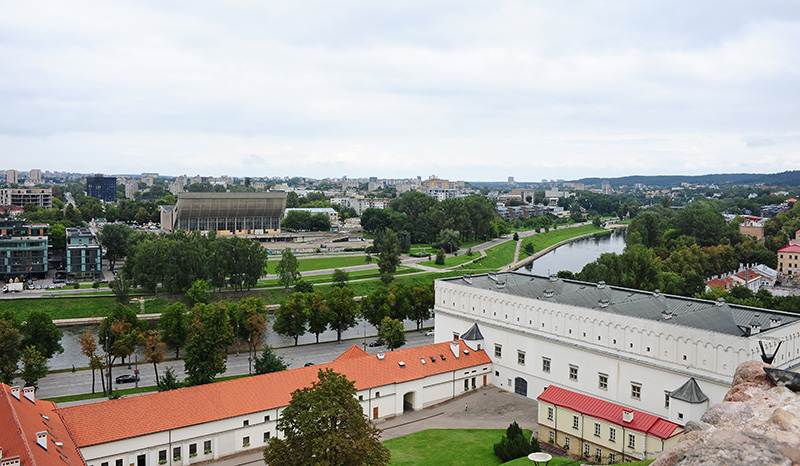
(122, 290)
(287, 269)
(325, 425)
(119, 334)
(291, 317)
(268, 361)
(317, 314)
(115, 238)
(421, 303)
(302, 286)
(340, 278)
(342, 310)
(174, 327)
(440, 256)
(34, 366)
(210, 333)
(168, 381)
(375, 306)
(449, 240)
(40, 330)
(392, 333)
(154, 349)
(10, 351)
(88, 349)
(388, 256)
(197, 293)
(513, 444)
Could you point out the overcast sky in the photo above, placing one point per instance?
(471, 90)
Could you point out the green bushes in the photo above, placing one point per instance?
(513, 444)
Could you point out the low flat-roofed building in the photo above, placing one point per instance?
(23, 249)
(83, 254)
(607, 432)
(40, 197)
(207, 422)
(32, 433)
(226, 213)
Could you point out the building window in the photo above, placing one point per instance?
(612, 458)
(574, 422)
(552, 436)
(612, 434)
(602, 381)
(455, 336)
(521, 358)
(119, 461)
(176, 454)
(266, 418)
(550, 413)
(586, 449)
(573, 372)
(207, 447)
(246, 441)
(631, 441)
(360, 397)
(597, 429)
(598, 454)
(267, 435)
(636, 391)
(192, 449)
(498, 351)
(104, 463)
(162, 456)
(680, 416)
(377, 394)
(246, 423)
(666, 399)
(545, 365)
(566, 443)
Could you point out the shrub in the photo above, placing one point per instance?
(516, 236)
(440, 257)
(513, 444)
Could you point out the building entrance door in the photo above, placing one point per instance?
(521, 386)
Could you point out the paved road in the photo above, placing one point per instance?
(69, 383)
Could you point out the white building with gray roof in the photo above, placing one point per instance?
(631, 347)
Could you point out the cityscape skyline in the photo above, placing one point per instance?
(483, 92)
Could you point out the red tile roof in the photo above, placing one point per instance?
(21, 420)
(611, 412)
(98, 423)
(353, 352)
(790, 248)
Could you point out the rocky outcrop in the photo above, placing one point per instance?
(758, 423)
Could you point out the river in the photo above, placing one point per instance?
(573, 256)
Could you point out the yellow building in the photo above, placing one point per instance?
(605, 432)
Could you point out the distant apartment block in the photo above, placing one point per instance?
(149, 178)
(101, 187)
(41, 197)
(521, 211)
(441, 193)
(12, 176)
(35, 176)
(131, 188)
(437, 183)
(83, 254)
(23, 249)
(360, 204)
(176, 186)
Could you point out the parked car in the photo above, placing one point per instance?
(430, 333)
(127, 378)
(308, 364)
(38, 287)
(375, 343)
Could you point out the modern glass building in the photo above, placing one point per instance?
(23, 249)
(83, 254)
(102, 187)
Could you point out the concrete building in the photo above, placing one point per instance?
(606, 432)
(40, 197)
(441, 193)
(149, 178)
(101, 187)
(753, 227)
(207, 422)
(131, 188)
(32, 433)
(12, 176)
(226, 213)
(360, 204)
(23, 249)
(624, 346)
(83, 254)
(35, 176)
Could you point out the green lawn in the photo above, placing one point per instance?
(452, 261)
(60, 307)
(545, 240)
(333, 262)
(496, 257)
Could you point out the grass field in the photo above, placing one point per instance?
(452, 261)
(496, 257)
(545, 240)
(321, 263)
(60, 307)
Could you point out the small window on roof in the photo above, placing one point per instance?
(443, 358)
(422, 360)
(433, 359)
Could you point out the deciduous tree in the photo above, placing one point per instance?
(287, 268)
(40, 330)
(389, 256)
(342, 310)
(291, 318)
(268, 361)
(210, 333)
(10, 351)
(392, 333)
(34, 366)
(173, 324)
(325, 425)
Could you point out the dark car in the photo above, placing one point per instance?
(375, 343)
(308, 364)
(127, 378)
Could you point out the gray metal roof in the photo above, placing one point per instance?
(689, 392)
(474, 333)
(720, 317)
(226, 205)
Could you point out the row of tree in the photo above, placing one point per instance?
(27, 344)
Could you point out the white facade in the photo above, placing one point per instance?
(535, 341)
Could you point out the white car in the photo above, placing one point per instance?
(430, 333)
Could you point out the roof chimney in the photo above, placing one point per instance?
(41, 439)
(720, 302)
(27, 392)
(657, 293)
(553, 277)
(454, 348)
(666, 314)
(627, 416)
(601, 284)
(548, 293)
(15, 391)
(603, 303)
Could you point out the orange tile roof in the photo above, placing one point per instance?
(98, 423)
(790, 248)
(353, 352)
(21, 420)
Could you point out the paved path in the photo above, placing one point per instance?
(489, 408)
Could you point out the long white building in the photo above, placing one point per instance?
(666, 355)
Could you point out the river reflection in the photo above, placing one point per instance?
(573, 256)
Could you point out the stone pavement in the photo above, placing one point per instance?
(489, 408)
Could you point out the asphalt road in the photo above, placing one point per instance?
(69, 383)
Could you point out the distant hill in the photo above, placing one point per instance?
(787, 178)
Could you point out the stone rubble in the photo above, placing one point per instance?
(756, 424)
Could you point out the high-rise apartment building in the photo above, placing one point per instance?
(102, 187)
(12, 176)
